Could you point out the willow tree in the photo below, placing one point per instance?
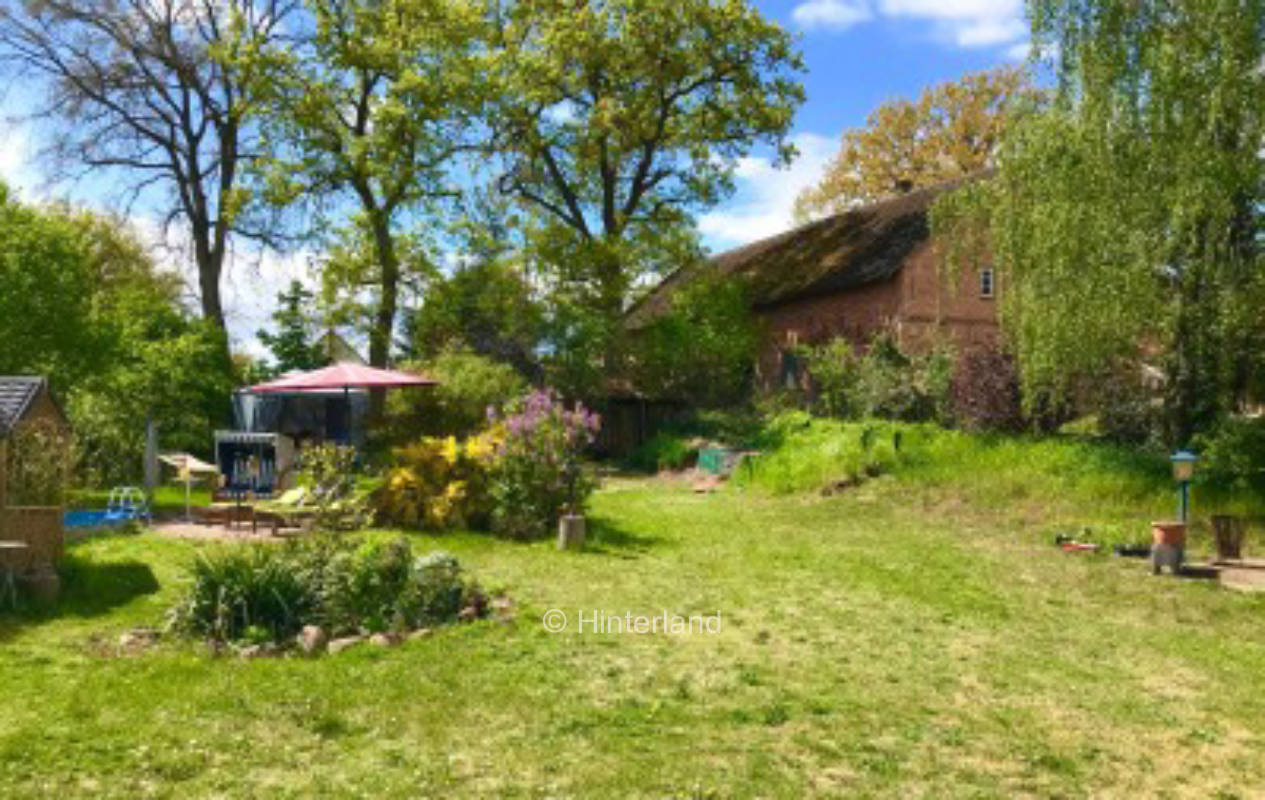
(617, 120)
(1125, 220)
(371, 109)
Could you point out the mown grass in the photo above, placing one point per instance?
(914, 636)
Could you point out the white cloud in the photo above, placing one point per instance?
(1019, 52)
(988, 31)
(250, 284)
(836, 14)
(963, 23)
(17, 161)
(249, 291)
(766, 195)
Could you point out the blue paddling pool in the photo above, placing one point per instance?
(126, 504)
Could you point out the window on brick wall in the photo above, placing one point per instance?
(987, 286)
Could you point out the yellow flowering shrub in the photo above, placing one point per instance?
(438, 483)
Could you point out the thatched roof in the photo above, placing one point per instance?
(855, 248)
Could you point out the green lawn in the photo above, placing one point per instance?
(901, 639)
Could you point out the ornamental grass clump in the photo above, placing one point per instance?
(269, 592)
(539, 473)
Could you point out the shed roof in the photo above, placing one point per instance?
(17, 392)
(851, 249)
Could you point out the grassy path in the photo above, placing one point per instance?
(886, 642)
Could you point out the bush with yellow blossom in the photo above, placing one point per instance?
(438, 483)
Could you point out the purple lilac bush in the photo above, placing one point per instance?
(539, 473)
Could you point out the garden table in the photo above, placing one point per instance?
(13, 555)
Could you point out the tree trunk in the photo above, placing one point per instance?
(210, 264)
(384, 317)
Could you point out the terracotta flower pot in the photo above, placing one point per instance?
(1170, 534)
(1170, 546)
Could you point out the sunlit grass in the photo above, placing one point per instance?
(915, 635)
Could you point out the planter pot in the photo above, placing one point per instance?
(571, 530)
(1229, 532)
(1169, 548)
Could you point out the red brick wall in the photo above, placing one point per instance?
(915, 304)
(932, 308)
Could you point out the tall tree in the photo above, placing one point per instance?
(373, 107)
(951, 130)
(1126, 220)
(618, 119)
(151, 91)
(82, 302)
(293, 346)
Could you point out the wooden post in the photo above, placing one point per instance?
(571, 531)
(151, 459)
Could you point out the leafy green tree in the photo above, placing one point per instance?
(46, 295)
(702, 349)
(469, 385)
(293, 346)
(618, 119)
(372, 106)
(952, 130)
(1125, 220)
(486, 306)
(82, 302)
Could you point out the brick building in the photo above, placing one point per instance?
(854, 274)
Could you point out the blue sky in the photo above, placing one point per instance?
(859, 53)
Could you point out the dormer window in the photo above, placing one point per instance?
(986, 283)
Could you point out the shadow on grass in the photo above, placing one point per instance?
(604, 537)
(89, 589)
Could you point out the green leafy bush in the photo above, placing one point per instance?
(469, 385)
(883, 382)
(894, 385)
(835, 380)
(803, 453)
(328, 581)
(1233, 457)
(663, 451)
(701, 348)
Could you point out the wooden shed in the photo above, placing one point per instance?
(26, 400)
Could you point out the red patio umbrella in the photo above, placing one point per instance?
(345, 376)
